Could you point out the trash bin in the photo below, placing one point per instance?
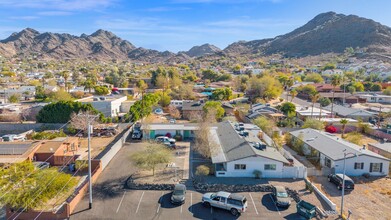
(72, 167)
(306, 209)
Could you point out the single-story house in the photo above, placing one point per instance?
(192, 108)
(109, 105)
(329, 149)
(14, 152)
(383, 149)
(59, 151)
(308, 112)
(235, 155)
(151, 131)
(376, 98)
(228, 108)
(347, 112)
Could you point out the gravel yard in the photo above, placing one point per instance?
(369, 200)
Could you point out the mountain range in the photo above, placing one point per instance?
(326, 33)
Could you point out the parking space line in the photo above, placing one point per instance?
(253, 203)
(191, 202)
(181, 208)
(119, 205)
(211, 210)
(275, 204)
(160, 203)
(139, 202)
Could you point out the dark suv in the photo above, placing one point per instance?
(337, 180)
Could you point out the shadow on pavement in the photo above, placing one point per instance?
(199, 211)
(165, 202)
(268, 202)
(109, 189)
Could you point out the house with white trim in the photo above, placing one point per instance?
(238, 152)
(329, 150)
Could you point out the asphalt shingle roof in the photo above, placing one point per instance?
(331, 145)
(235, 147)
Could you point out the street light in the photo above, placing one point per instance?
(343, 176)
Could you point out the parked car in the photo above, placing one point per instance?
(172, 121)
(12, 137)
(41, 165)
(170, 142)
(235, 203)
(337, 180)
(178, 196)
(137, 135)
(281, 197)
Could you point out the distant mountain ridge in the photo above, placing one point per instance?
(326, 33)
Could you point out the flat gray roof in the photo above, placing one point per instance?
(331, 145)
(382, 146)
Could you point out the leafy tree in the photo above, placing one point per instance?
(88, 85)
(101, 90)
(60, 112)
(265, 124)
(222, 94)
(387, 91)
(307, 89)
(313, 77)
(376, 87)
(174, 112)
(288, 108)
(15, 98)
(152, 156)
(143, 107)
(314, 124)
(40, 93)
(215, 108)
(324, 101)
(293, 94)
(210, 75)
(34, 186)
(265, 87)
(47, 135)
(60, 95)
(183, 92)
(329, 66)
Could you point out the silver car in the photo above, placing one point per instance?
(235, 203)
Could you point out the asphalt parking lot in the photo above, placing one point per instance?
(134, 204)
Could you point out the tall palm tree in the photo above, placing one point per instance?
(314, 98)
(65, 75)
(335, 81)
(343, 121)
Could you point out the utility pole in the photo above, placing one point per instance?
(89, 162)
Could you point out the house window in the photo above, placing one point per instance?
(358, 166)
(327, 162)
(270, 167)
(376, 167)
(240, 166)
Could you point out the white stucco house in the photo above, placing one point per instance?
(330, 150)
(239, 152)
(109, 105)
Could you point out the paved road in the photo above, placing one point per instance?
(112, 201)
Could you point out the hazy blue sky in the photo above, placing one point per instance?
(179, 24)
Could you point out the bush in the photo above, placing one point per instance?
(202, 170)
(257, 174)
(366, 175)
(47, 135)
(331, 129)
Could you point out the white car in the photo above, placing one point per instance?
(166, 141)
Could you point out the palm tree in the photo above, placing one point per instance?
(335, 81)
(88, 84)
(314, 98)
(65, 75)
(293, 94)
(343, 121)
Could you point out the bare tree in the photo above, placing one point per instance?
(80, 121)
(204, 143)
(174, 112)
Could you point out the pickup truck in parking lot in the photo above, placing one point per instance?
(232, 202)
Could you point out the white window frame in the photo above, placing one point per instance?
(240, 166)
(271, 167)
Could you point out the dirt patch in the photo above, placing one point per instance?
(369, 200)
(97, 144)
